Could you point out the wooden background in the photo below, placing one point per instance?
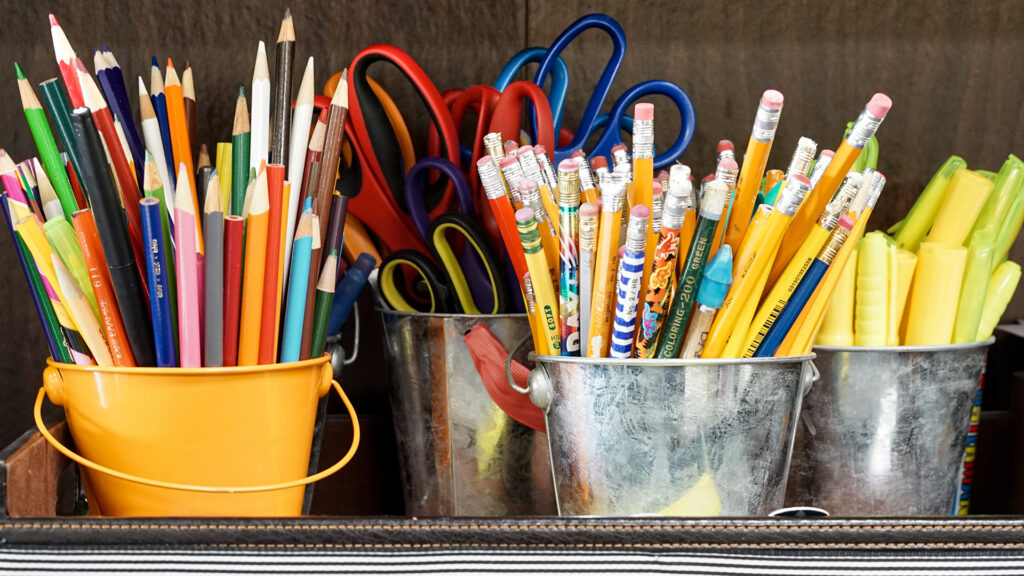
(954, 71)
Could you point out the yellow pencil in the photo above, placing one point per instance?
(544, 292)
(613, 192)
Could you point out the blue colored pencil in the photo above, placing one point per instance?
(108, 72)
(348, 291)
(295, 310)
(156, 91)
(159, 294)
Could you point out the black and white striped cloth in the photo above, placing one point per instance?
(321, 559)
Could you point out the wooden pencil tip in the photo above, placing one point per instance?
(241, 91)
(287, 33)
(151, 179)
(183, 191)
(341, 91)
(18, 72)
(212, 204)
(170, 64)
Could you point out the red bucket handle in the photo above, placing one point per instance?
(37, 412)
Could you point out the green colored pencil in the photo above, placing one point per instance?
(48, 153)
(239, 153)
(324, 298)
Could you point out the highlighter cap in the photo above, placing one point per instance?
(717, 279)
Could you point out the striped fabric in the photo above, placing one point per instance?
(630, 271)
(325, 559)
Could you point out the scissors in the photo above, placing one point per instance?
(559, 82)
(376, 169)
(468, 283)
(589, 124)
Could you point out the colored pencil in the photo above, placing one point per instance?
(51, 205)
(155, 149)
(189, 339)
(181, 146)
(61, 237)
(324, 298)
(159, 295)
(43, 138)
(79, 309)
(240, 137)
(302, 118)
(124, 274)
(271, 309)
(283, 88)
(159, 100)
(260, 111)
(108, 73)
(295, 308)
(57, 102)
(66, 63)
(234, 227)
(257, 223)
(213, 263)
(188, 95)
(347, 292)
(224, 169)
(110, 316)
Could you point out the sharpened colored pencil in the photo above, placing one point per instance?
(240, 138)
(46, 145)
(213, 262)
(257, 224)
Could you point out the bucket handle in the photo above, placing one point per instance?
(209, 489)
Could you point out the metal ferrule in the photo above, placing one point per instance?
(643, 139)
(531, 298)
(548, 170)
(588, 234)
(765, 123)
(513, 176)
(727, 176)
(792, 195)
(636, 234)
(723, 155)
(620, 156)
(600, 174)
(863, 129)
(530, 198)
(587, 181)
(802, 156)
(819, 170)
(626, 169)
(613, 192)
(494, 186)
(836, 207)
(531, 169)
(877, 183)
(835, 242)
(569, 188)
(674, 209)
(494, 146)
(657, 201)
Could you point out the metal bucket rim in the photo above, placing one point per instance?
(663, 362)
(909, 349)
(445, 316)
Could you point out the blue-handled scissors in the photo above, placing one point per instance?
(589, 123)
(471, 282)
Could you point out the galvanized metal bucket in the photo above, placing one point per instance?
(671, 437)
(460, 454)
(882, 432)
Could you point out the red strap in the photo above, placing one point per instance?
(489, 357)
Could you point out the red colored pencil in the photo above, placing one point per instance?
(76, 186)
(233, 233)
(271, 276)
(66, 62)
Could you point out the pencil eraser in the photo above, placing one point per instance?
(617, 147)
(622, 251)
(772, 99)
(724, 145)
(708, 178)
(485, 160)
(539, 149)
(657, 188)
(524, 214)
(568, 165)
(846, 222)
(802, 179)
(829, 153)
(598, 162)
(578, 154)
(640, 211)
(644, 111)
(508, 161)
(729, 164)
(880, 174)
(663, 175)
(527, 184)
(879, 105)
(588, 210)
(525, 150)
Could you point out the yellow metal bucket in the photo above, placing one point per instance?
(193, 442)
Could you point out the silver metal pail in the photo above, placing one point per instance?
(882, 432)
(460, 454)
(671, 437)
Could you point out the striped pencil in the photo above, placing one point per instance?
(630, 272)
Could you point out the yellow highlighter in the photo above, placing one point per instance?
(1000, 289)
(837, 324)
(544, 292)
(892, 319)
(772, 305)
(870, 311)
(975, 286)
(935, 293)
(751, 262)
(964, 200)
(907, 265)
(926, 207)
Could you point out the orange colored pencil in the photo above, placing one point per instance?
(181, 146)
(257, 225)
(96, 263)
(272, 271)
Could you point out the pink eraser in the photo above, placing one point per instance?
(725, 145)
(539, 149)
(802, 179)
(879, 105)
(598, 162)
(772, 99)
(527, 184)
(640, 211)
(568, 165)
(644, 111)
(588, 209)
(880, 174)
(729, 164)
(578, 154)
(846, 222)
(485, 160)
(708, 178)
(618, 147)
(524, 214)
(622, 251)
(663, 175)
(508, 161)
(829, 153)
(657, 188)
(525, 150)
(511, 145)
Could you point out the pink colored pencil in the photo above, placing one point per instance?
(186, 259)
